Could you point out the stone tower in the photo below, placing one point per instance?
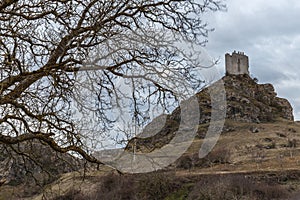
(237, 63)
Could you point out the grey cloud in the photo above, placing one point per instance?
(269, 33)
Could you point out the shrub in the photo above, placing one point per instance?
(158, 186)
(292, 143)
(115, 187)
(220, 156)
(71, 195)
(235, 187)
(185, 162)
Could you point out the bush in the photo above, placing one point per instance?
(235, 187)
(166, 186)
(292, 143)
(218, 156)
(115, 187)
(158, 186)
(185, 162)
(71, 195)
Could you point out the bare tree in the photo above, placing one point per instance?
(55, 54)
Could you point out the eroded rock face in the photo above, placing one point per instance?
(246, 101)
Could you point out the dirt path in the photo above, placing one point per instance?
(195, 173)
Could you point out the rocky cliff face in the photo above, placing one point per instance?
(246, 101)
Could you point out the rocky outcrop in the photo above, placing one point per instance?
(246, 100)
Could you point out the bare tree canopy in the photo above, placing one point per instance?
(50, 51)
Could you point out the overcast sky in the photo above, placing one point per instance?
(268, 31)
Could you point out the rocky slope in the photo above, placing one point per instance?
(251, 102)
(33, 163)
(247, 101)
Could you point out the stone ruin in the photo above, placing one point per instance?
(237, 63)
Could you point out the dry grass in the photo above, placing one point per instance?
(274, 149)
(276, 146)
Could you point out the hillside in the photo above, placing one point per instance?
(250, 161)
(256, 157)
(246, 101)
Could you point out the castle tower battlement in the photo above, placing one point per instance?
(237, 63)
